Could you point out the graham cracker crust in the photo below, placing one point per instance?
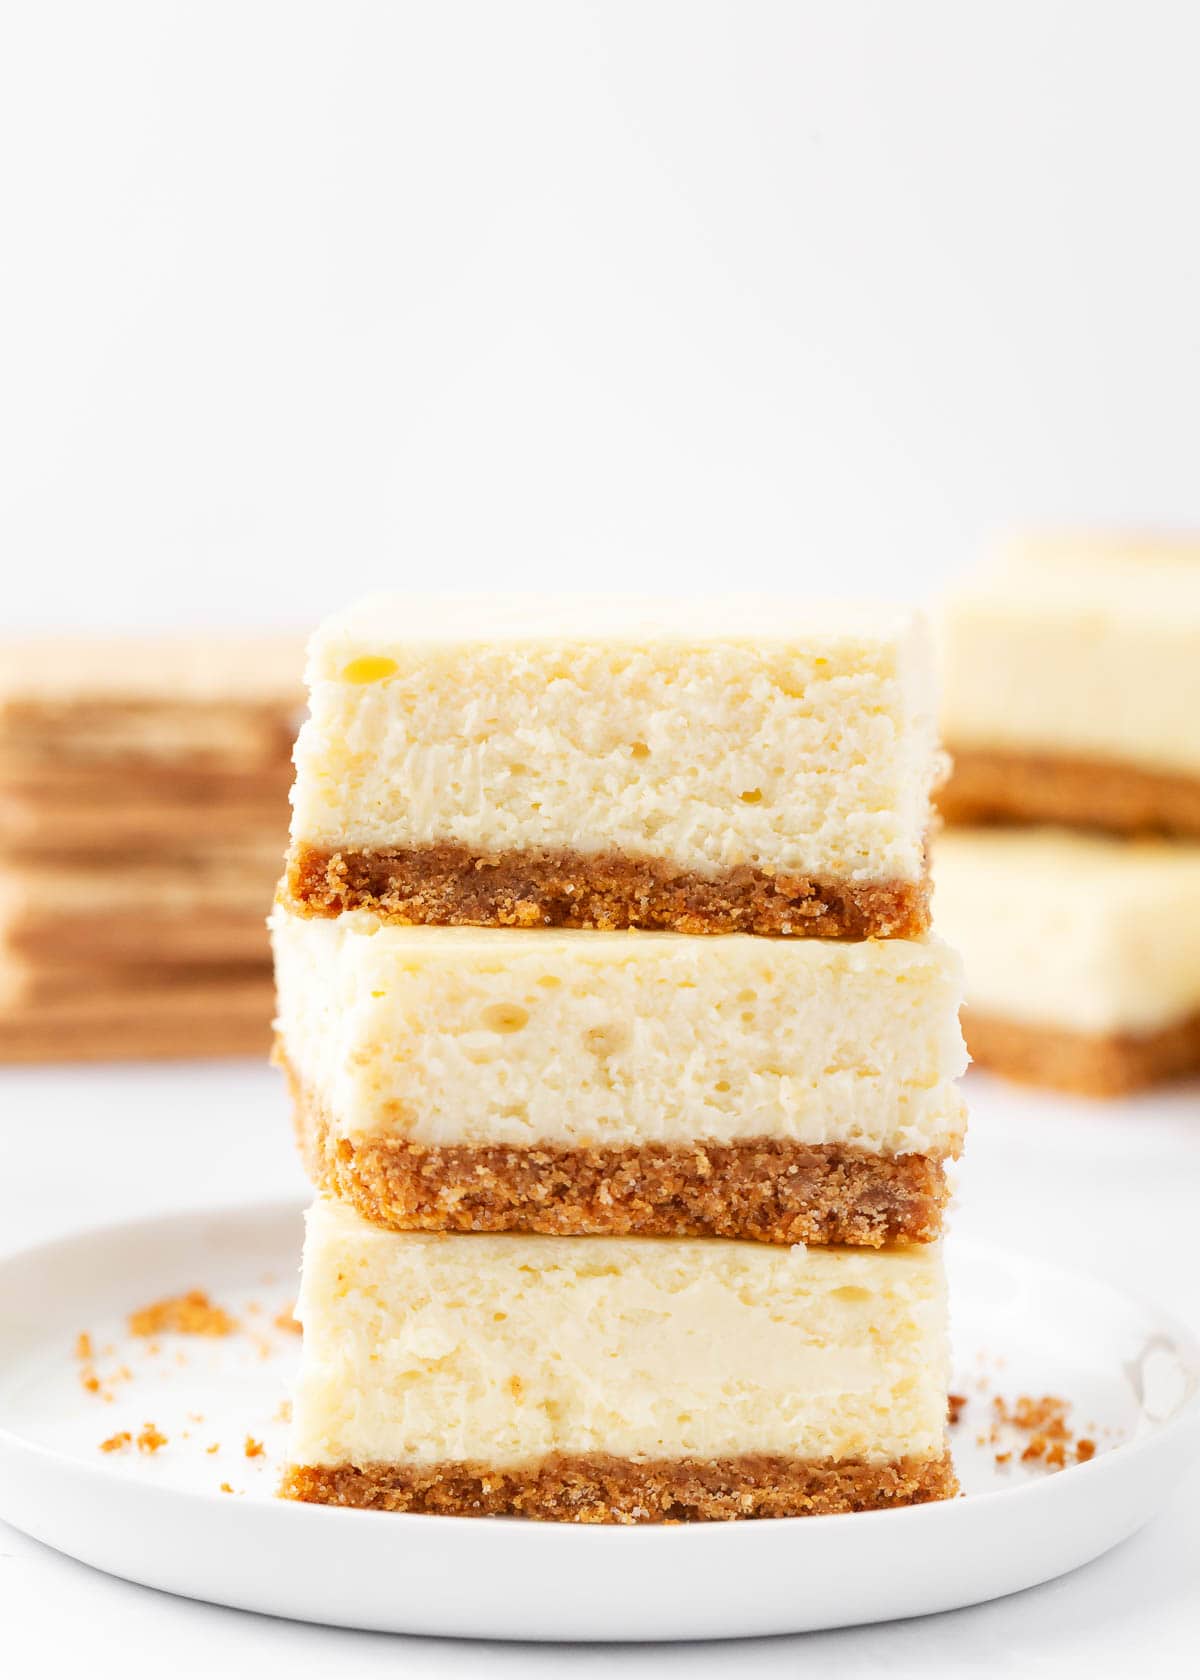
(763, 1189)
(596, 1488)
(449, 885)
(994, 786)
(1090, 1065)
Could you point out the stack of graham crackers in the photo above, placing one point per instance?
(143, 812)
(623, 1061)
(1070, 877)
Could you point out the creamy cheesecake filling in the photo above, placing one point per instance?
(1096, 936)
(1084, 656)
(453, 1036)
(713, 736)
(508, 1350)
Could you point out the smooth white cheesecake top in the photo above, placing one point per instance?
(394, 622)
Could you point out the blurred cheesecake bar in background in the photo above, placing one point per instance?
(602, 1379)
(693, 766)
(1072, 687)
(143, 815)
(656, 1084)
(1081, 951)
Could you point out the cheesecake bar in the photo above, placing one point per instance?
(623, 1083)
(1072, 688)
(1081, 951)
(605, 1379)
(701, 767)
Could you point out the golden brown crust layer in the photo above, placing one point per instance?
(1091, 1065)
(450, 885)
(761, 1188)
(987, 786)
(595, 1488)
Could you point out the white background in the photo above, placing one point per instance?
(298, 300)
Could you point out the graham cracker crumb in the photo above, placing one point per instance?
(151, 1439)
(287, 1320)
(89, 1377)
(253, 1448)
(225, 1488)
(190, 1314)
(956, 1406)
(117, 1443)
(1044, 1421)
(216, 1447)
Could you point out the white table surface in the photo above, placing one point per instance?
(1112, 1188)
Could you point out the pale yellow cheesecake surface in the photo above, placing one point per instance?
(583, 1039)
(1082, 932)
(709, 735)
(1079, 648)
(503, 1350)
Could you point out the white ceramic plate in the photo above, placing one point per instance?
(160, 1518)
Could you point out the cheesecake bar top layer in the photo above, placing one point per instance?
(746, 733)
(506, 1036)
(506, 1350)
(1093, 934)
(1084, 651)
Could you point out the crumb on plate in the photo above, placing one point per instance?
(190, 1314)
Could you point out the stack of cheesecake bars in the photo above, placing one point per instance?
(143, 801)
(1069, 876)
(623, 1062)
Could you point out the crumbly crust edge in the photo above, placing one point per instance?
(597, 1488)
(761, 1189)
(1086, 1064)
(995, 786)
(450, 885)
